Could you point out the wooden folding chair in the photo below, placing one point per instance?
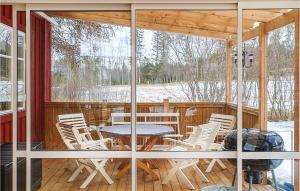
(200, 140)
(227, 123)
(73, 128)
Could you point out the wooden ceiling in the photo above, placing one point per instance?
(214, 24)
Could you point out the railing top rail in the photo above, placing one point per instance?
(146, 114)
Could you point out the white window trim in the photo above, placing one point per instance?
(20, 33)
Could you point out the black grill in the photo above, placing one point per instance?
(254, 140)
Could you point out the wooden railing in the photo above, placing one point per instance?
(99, 113)
(250, 115)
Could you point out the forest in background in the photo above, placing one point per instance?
(196, 64)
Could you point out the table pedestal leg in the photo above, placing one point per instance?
(125, 167)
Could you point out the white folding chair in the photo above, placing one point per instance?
(227, 123)
(68, 138)
(74, 127)
(200, 140)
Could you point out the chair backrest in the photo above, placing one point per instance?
(77, 122)
(203, 135)
(67, 136)
(227, 122)
(171, 119)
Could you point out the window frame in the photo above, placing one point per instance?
(22, 82)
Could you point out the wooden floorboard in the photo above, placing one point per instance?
(57, 171)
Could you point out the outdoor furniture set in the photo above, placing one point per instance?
(152, 127)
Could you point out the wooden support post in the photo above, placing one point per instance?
(297, 100)
(228, 70)
(166, 105)
(263, 115)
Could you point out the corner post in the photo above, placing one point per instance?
(228, 70)
(263, 115)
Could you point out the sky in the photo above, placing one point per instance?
(120, 44)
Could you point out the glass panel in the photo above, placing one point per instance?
(6, 162)
(281, 83)
(194, 170)
(21, 46)
(87, 82)
(266, 174)
(5, 40)
(5, 84)
(5, 69)
(268, 80)
(56, 174)
(20, 70)
(250, 75)
(21, 174)
(183, 67)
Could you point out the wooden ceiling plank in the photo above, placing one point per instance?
(191, 21)
(146, 25)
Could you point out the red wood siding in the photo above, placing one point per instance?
(40, 78)
(6, 17)
(6, 127)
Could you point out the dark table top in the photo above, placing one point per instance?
(141, 130)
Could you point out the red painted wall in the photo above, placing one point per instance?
(40, 78)
(6, 17)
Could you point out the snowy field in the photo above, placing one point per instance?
(286, 130)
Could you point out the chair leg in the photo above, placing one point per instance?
(213, 162)
(200, 173)
(89, 169)
(76, 173)
(89, 179)
(170, 175)
(186, 180)
(211, 165)
(222, 165)
(105, 175)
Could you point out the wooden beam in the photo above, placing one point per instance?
(250, 16)
(281, 21)
(251, 34)
(276, 23)
(191, 19)
(123, 19)
(263, 107)
(260, 15)
(297, 100)
(228, 71)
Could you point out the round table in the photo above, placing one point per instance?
(123, 135)
(141, 130)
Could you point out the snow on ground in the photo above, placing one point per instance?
(286, 130)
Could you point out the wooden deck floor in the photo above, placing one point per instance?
(57, 171)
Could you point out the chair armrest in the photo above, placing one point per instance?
(96, 143)
(215, 146)
(182, 143)
(173, 136)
